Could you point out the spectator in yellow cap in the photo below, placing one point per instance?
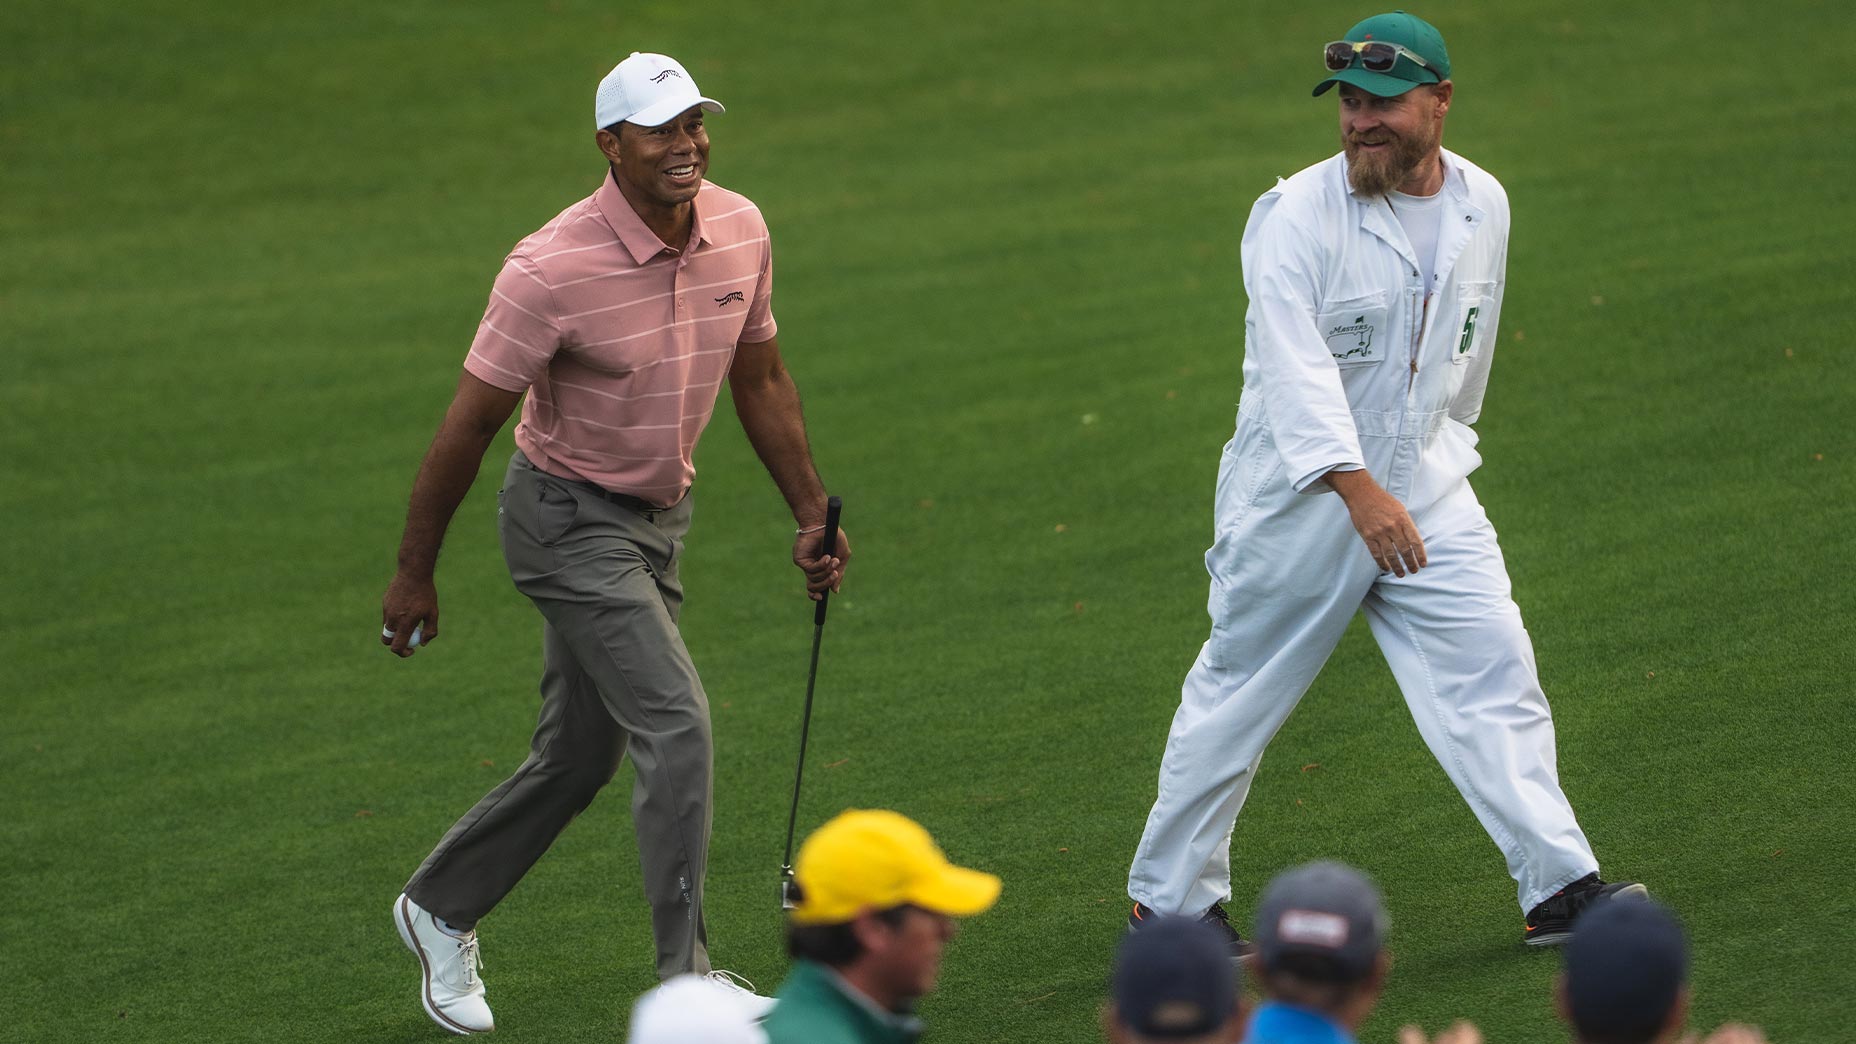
(875, 907)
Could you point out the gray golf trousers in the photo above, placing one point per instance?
(616, 680)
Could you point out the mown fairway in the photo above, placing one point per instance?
(244, 251)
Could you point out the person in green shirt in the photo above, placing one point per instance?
(874, 907)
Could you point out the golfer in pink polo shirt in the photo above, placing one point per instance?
(615, 325)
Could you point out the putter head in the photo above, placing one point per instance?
(789, 890)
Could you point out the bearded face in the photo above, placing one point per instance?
(1388, 141)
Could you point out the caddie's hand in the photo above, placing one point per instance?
(1460, 1032)
(824, 572)
(409, 602)
(1382, 522)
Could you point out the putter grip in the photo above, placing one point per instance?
(829, 545)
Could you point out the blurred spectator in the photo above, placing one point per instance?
(1320, 955)
(692, 1009)
(1174, 982)
(876, 902)
(1625, 979)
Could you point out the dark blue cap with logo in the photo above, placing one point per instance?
(1625, 966)
(1322, 921)
(1174, 979)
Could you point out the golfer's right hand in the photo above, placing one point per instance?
(824, 572)
(409, 602)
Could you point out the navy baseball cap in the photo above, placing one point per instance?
(1174, 978)
(1626, 965)
(1322, 921)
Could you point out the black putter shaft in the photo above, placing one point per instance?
(829, 546)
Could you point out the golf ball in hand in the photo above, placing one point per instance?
(418, 633)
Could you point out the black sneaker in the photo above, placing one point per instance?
(1550, 923)
(1241, 949)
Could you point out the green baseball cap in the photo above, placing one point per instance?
(1408, 31)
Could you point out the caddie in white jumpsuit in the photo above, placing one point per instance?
(1375, 286)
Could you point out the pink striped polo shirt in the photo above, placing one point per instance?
(621, 342)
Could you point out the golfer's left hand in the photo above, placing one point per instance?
(824, 572)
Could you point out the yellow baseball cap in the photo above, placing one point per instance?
(869, 859)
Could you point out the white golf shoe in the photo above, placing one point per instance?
(741, 991)
(448, 984)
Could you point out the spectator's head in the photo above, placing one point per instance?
(690, 1009)
(1626, 975)
(1321, 932)
(876, 901)
(1174, 983)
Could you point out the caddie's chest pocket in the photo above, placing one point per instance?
(1355, 330)
(1474, 302)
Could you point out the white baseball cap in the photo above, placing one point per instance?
(689, 1009)
(649, 90)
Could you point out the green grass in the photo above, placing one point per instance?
(245, 250)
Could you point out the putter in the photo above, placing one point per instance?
(833, 508)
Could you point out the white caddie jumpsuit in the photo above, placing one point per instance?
(1347, 364)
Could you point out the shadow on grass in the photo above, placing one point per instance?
(1474, 959)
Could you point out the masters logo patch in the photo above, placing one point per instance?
(1350, 338)
(1355, 330)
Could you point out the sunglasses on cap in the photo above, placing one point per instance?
(1374, 56)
